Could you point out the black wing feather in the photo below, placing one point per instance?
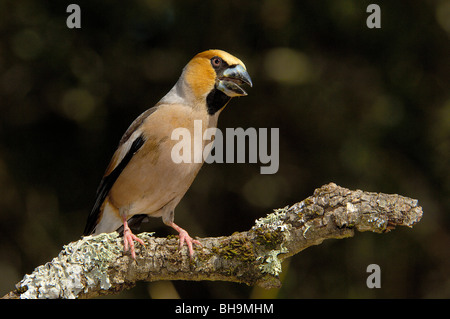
(106, 184)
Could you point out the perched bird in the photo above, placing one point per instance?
(142, 179)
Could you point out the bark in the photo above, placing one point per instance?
(96, 266)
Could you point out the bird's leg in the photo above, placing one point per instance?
(184, 237)
(128, 238)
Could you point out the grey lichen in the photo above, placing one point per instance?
(272, 264)
(274, 223)
(79, 266)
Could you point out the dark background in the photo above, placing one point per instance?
(364, 108)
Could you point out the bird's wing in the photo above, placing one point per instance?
(129, 145)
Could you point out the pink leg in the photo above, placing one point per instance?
(184, 237)
(128, 239)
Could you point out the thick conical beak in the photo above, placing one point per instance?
(231, 79)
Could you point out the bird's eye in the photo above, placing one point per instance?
(216, 62)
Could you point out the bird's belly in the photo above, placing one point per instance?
(152, 179)
(145, 188)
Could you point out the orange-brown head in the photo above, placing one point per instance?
(214, 76)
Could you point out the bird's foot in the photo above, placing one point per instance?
(185, 238)
(128, 240)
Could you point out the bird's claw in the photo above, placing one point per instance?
(128, 241)
(185, 238)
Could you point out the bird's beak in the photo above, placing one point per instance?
(231, 79)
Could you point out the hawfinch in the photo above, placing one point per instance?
(142, 179)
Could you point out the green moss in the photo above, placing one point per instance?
(239, 248)
(268, 239)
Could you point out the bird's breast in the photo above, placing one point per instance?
(153, 178)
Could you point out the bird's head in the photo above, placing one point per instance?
(215, 76)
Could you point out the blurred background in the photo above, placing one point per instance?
(364, 108)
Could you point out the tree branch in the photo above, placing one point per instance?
(96, 266)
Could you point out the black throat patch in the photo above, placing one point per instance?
(216, 100)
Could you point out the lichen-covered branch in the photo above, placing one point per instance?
(95, 266)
